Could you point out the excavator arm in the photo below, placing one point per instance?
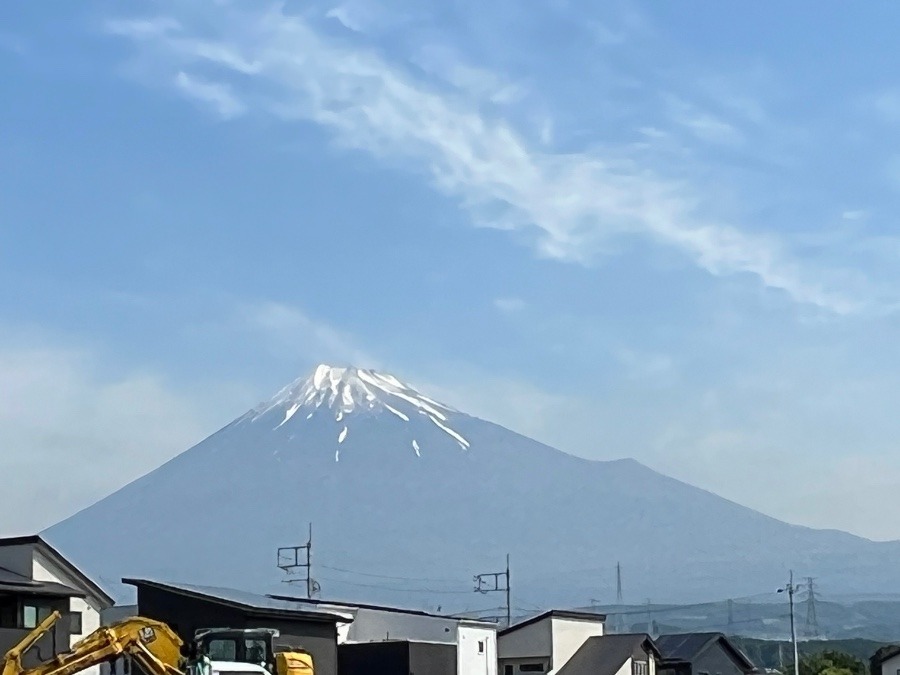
(151, 644)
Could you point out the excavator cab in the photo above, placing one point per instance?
(252, 646)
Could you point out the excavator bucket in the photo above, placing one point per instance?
(294, 663)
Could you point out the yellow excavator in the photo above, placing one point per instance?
(158, 650)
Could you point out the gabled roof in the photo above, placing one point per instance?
(61, 561)
(555, 614)
(687, 647)
(10, 582)
(883, 654)
(606, 654)
(250, 603)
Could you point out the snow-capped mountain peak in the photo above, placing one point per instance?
(346, 390)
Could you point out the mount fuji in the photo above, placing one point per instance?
(409, 499)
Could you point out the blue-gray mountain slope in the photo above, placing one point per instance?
(414, 498)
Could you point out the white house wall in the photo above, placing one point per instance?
(891, 666)
(44, 570)
(469, 661)
(567, 637)
(373, 625)
(527, 642)
(626, 667)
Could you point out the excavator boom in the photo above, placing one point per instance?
(152, 644)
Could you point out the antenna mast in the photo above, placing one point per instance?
(293, 558)
(489, 582)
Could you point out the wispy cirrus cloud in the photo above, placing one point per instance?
(570, 206)
(213, 94)
(509, 305)
(293, 333)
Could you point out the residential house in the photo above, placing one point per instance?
(474, 642)
(886, 661)
(187, 608)
(702, 654)
(544, 643)
(35, 580)
(629, 654)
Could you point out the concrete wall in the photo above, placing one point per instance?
(567, 637)
(477, 650)
(431, 659)
(374, 658)
(533, 641)
(185, 615)
(397, 658)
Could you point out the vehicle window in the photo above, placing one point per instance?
(222, 650)
(255, 650)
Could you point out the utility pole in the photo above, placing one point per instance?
(812, 622)
(790, 589)
(489, 582)
(291, 558)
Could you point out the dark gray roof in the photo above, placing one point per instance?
(688, 646)
(47, 550)
(883, 654)
(381, 608)
(558, 614)
(249, 602)
(605, 655)
(10, 582)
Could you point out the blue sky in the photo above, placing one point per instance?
(641, 229)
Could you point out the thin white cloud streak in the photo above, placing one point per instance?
(509, 305)
(293, 334)
(572, 206)
(702, 124)
(214, 94)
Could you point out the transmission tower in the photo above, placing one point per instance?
(812, 622)
(619, 602)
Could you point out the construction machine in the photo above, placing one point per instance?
(254, 646)
(158, 650)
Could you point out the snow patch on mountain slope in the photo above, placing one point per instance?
(343, 391)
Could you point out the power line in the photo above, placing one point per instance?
(483, 585)
(676, 608)
(290, 560)
(398, 590)
(387, 576)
